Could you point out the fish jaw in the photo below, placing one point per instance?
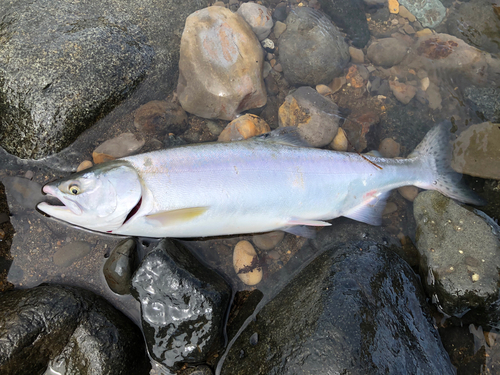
(69, 207)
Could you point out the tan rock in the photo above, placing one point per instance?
(393, 6)
(390, 208)
(246, 263)
(220, 65)
(476, 151)
(86, 164)
(323, 90)
(123, 145)
(408, 192)
(244, 127)
(340, 142)
(357, 55)
(268, 241)
(403, 92)
(389, 148)
(403, 12)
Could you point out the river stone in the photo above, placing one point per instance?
(183, 306)
(484, 101)
(387, 52)
(312, 49)
(430, 13)
(356, 309)
(258, 17)
(67, 328)
(220, 66)
(61, 67)
(315, 116)
(350, 17)
(476, 23)
(120, 266)
(476, 151)
(460, 255)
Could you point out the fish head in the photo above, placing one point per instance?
(100, 198)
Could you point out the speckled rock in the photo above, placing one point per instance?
(314, 116)
(350, 17)
(387, 52)
(430, 13)
(63, 65)
(258, 17)
(312, 49)
(460, 256)
(484, 101)
(321, 322)
(183, 305)
(69, 330)
(220, 66)
(476, 151)
(244, 127)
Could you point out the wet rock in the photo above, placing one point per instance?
(26, 192)
(160, 117)
(55, 87)
(387, 52)
(120, 266)
(324, 90)
(220, 67)
(320, 322)
(354, 77)
(357, 55)
(403, 12)
(312, 49)
(393, 6)
(389, 148)
(246, 263)
(484, 101)
(476, 23)
(403, 92)
(314, 116)
(430, 13)
(86, 164)
(362, 131)
(408, 192)
(350, 17)
(244, 127)
(70, 253)
(461, 251)
(476, 151)
(183, 305)
(379, 86)
(123, 145)
(258, 17)
(268, 241)
(198, 370)
(69, 330)
(279, 28)
(340, 142)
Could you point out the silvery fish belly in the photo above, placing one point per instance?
(266, 183)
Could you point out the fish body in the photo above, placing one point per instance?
(256, 185)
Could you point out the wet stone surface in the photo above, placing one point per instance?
(338, 315)
(67, 328)
(183, 306)
(120, 266)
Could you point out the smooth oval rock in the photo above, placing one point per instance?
(408, 192)
(244, 127)
(340, 142)
(314, 116)
(389, 148)
(387, 52)
(120, 266)
(476, 151)
(71, 252)
(220, 66)
(268, 241)
(246, 263)
(123, 145)
(312, 49)
(258, 17)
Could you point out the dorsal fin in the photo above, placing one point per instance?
(288, 136)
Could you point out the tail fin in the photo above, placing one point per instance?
(435, 153)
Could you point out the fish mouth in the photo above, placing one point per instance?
(56, 204)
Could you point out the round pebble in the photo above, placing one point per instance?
(244, 127)
(390, 207)
(340, 142)
(246, 263)
(268, 241)
(84, 165)
(389, 148)
(324, 90)
(408, 192)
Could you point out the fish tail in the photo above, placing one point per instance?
(435, 153)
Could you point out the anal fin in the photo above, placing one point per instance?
(166, 218)
(370, 212)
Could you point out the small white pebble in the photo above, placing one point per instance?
(475, 277)
(460, 251)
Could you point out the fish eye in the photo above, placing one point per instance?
(74, 189)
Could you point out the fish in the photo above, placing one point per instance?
(265, 183)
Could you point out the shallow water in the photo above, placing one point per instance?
(38, 239)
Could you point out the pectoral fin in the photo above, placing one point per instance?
(166, 218)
